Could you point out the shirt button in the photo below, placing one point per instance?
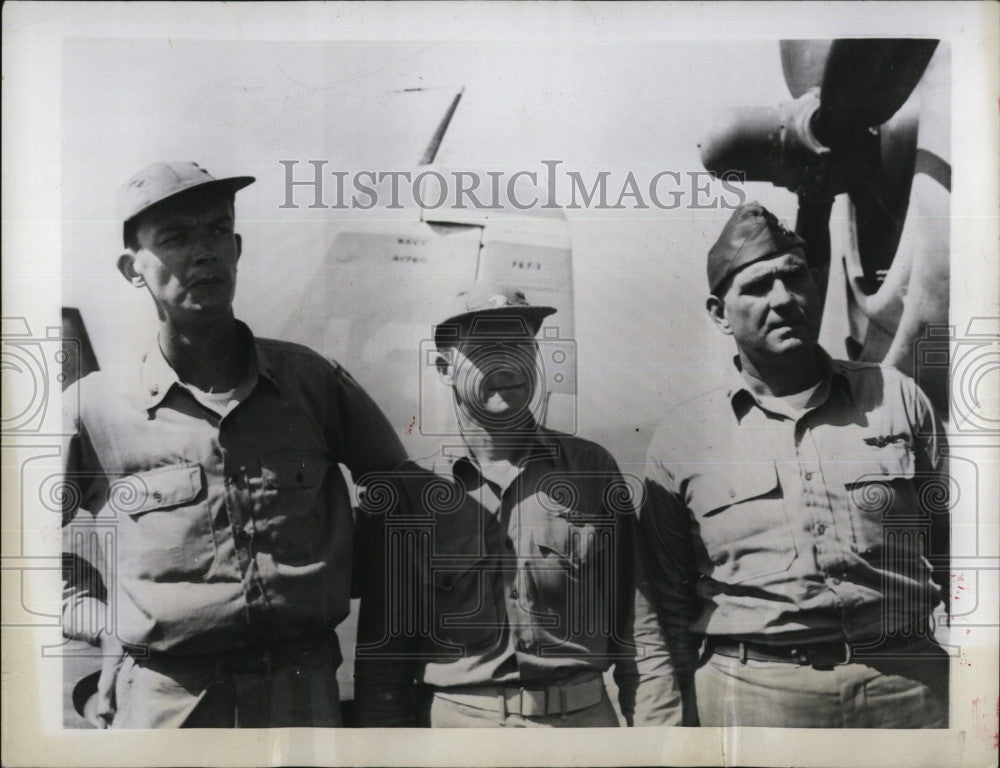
(513, 593)
(732, 493)
(809, 475)
(820, 529)
(255, 592)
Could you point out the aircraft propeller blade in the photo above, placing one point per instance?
(865, 82)
(803, 62)
(873, 150)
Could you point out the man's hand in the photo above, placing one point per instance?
(112, 656)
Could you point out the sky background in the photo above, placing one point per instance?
(644, 341)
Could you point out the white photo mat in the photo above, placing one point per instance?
(597, 86)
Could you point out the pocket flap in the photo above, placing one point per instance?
(164, 487)
(285, 473)
(894, 461)
(446, 576)
(738, 482)
(445, 579)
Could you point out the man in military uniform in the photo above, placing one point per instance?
(495, 575)
(216, 458)
(788, 522)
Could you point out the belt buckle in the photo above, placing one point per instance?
(535, 710)
(521, 709)
(847, 654)
(846, 659)
(829, 663)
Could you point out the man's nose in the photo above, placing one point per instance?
(205, 247)
(780, 296)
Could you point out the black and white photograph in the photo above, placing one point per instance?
(373, 371)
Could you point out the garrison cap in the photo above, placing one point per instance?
(751, 234)
(490, 303)
(161, 181)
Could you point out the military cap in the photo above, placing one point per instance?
(483, 307)
(161, 181)
(751, 234)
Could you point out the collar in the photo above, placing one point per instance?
(541, 443)
(156, 377)
(742, 398)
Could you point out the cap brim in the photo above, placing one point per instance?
(447, 331)
(230, 184)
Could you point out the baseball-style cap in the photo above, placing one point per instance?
(751, 234)
(160, 181)
(487, 303)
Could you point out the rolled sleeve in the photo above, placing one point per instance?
(84, 592)
(618, 506)
(665, 606)
(386, 658)
(932, 463)
(369, 443)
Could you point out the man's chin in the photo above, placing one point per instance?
(792, 344)
(497, 412)
(206, 311)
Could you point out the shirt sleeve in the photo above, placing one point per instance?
(84, 596)
(386, 656)
(934, 489)
(666, 604)
(368, 442)
(618, 505)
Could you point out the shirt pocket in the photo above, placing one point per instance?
(568, 576)
(167, 533)
(562, 543)
(879, 495)
(743, 522)
(462, 609)
(289, 510)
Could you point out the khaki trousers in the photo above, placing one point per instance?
(901, 693)
(179, 692)
(451, 714)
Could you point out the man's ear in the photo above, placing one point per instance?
(443, 363)
(716, 308)
(126, 265)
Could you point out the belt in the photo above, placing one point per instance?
(555, 699)
(818, 655)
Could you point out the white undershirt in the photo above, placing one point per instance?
(793, 405)
(221, 402)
